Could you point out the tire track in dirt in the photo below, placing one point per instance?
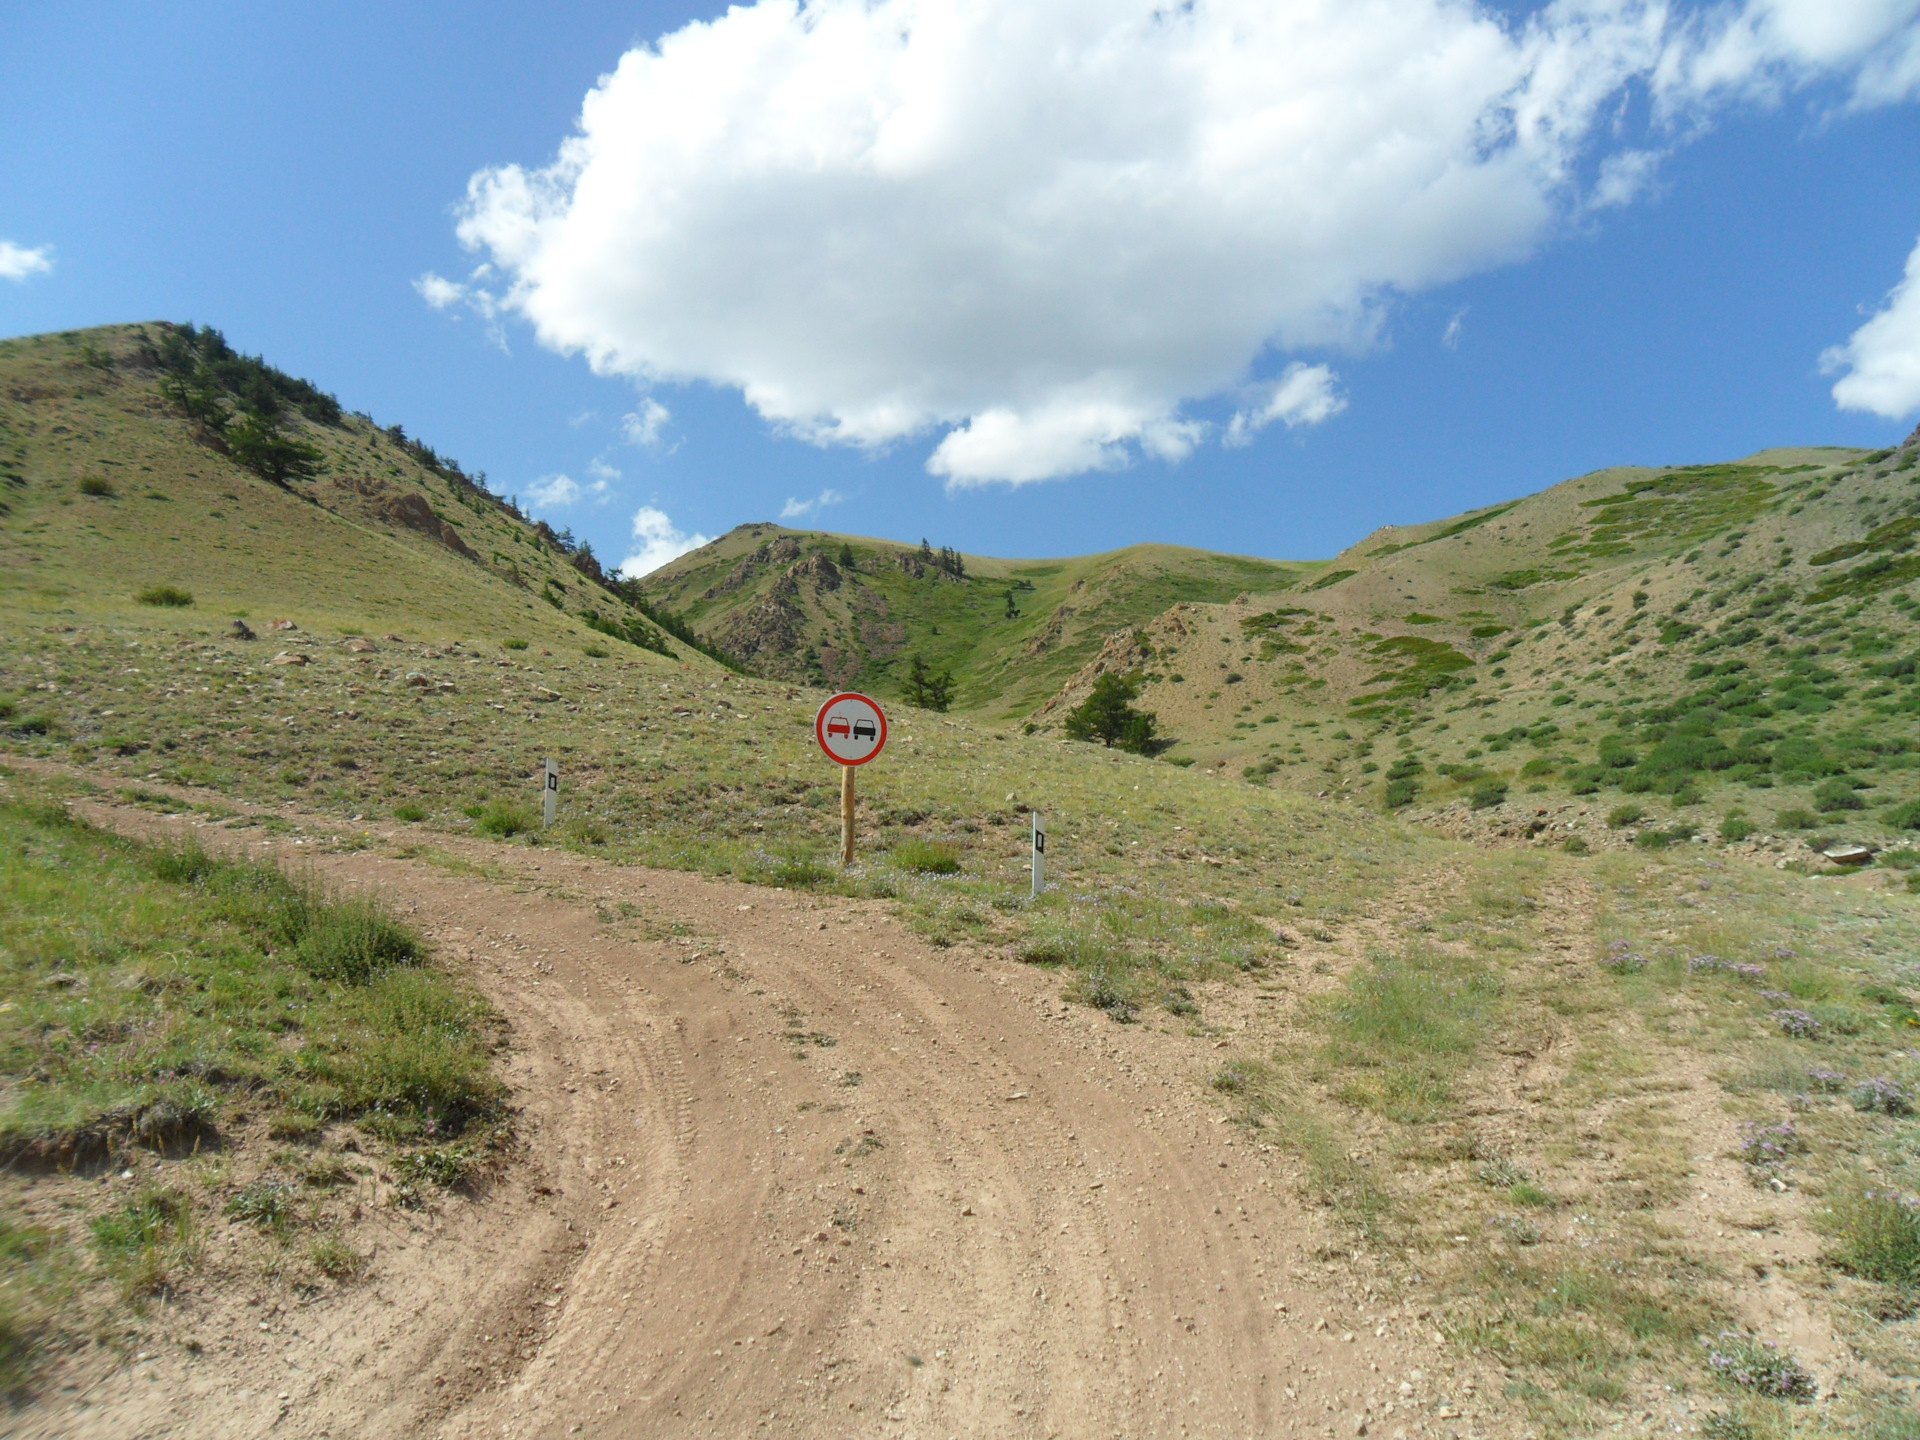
(1022, 1219)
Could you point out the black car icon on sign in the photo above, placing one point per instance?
(864, 730)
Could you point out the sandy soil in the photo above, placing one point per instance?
(795, 1172)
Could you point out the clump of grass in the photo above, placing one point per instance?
(352, 940)
(448, 1166)
(1404, 1025)
(267, 1204)
(1621, 816)
(146, 1241)
(409, 813)
(1103, 992)
(925, 857)
(503, 818)
(1796, 818)
(165, 595)
(335, 1257)
(1877, 1234)
(97, 485)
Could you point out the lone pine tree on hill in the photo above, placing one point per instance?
(926, 689)
(1107, 715)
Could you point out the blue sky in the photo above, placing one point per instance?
(291, 173)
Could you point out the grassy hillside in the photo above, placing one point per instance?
(850, 612)
(1699, 643)
(1510, 1071)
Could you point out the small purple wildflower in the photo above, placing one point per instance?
(1881, 1094)
(1828, 1082)
(1775, 995)
(1766, 1147)
(1784, 952)
(1797, 1023)
(1622, 960)
(1758, 1365)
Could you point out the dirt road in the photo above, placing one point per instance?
(794, 1172)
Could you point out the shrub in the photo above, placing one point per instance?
(169, 595)
(1489, 793)
(1663, 839)
(1904, 817)
(1797, 1023)
(594, 652)
(925, 857)
(1796, 818)
(410, 813)
(1577, 845)
(1735, 827)
(96, 485)
(1688, 795)
(1878, 1233)
(1401, 792)
(1766, 1147)
(1835, 795)
(1100, 991)
(1759, 1366)
(1623, 815)
(514, 644)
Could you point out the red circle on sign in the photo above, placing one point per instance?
(855, 721)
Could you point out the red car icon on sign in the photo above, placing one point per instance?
(864, 730)
(837, 725)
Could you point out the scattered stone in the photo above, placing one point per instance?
(415, 677)
(243, 631)
(288, 657)
(1849, 854)
(360, 645)
(283, 625)
(544, 696)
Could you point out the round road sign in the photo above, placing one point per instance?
(851, 728)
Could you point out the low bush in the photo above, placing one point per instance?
(97, 485)
(409, 813)
(1489, 793)
(1796, 818)
(1622, 816)
(164, 595)
(1735, 827)
(1759, 1366)
(514, 644)
(1832, 796)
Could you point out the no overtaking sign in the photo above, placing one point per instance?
(851, 728)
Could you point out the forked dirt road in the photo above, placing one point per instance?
(793, 1173)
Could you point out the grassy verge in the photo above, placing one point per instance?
(164, 1018)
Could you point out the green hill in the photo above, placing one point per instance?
(850, 612)
(1710, 639)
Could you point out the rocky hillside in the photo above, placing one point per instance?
(847, 611)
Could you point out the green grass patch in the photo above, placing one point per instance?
(171, 596)
(925, 857)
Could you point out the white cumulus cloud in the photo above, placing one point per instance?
(18, 263)
(796, 509)
(1303, 395)
(657, 540)
(1882, 358)
(553, 492)
(644, 426)
(1041, 229)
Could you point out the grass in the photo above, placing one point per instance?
(925, 857)
(169, 596)
(156, 995)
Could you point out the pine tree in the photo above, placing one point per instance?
(1107, 715)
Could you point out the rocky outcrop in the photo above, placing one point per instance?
(824, 574)
(768, 637)
(412, 511)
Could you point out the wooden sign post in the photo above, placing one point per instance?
(550, 792)
(852, 729)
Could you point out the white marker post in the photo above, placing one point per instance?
(1039, 855)
(552, 792)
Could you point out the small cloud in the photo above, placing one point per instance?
(642, 427)
(447, 295)
(1303, 395)
(1450, 338)
(439, 292)
(800, 509)
(1624, 178)
(585, 417)
(605, 477)
(1882, 358)
(552, 492)
(17, 264)
(660, 540)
